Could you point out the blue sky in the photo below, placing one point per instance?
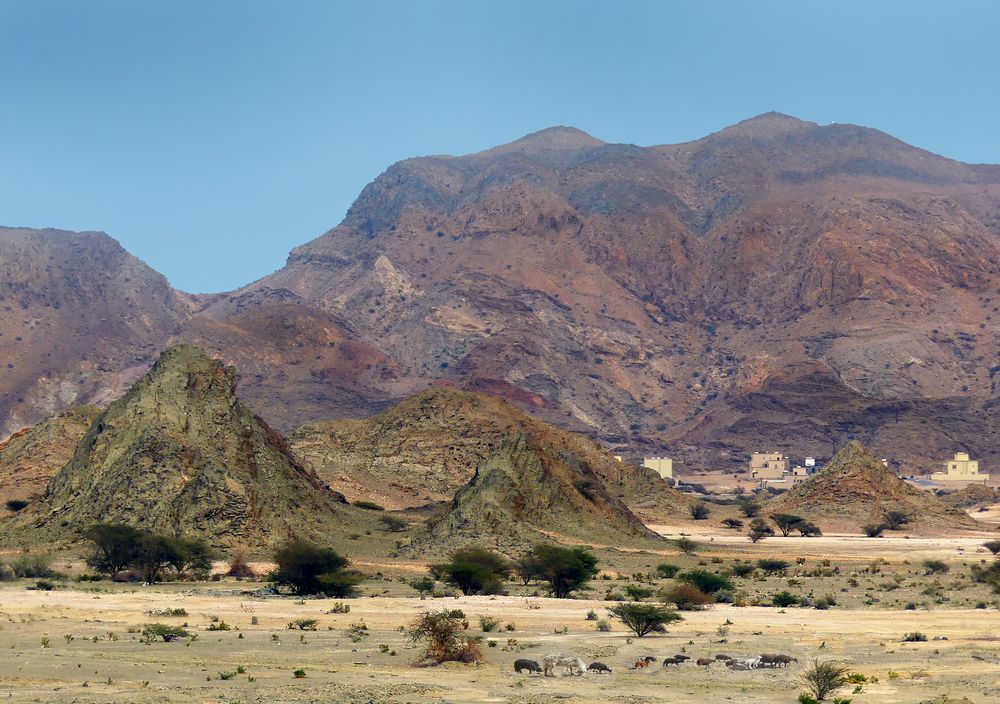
(210, 137)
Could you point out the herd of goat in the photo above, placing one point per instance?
(575, 666)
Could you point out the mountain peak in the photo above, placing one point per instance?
(766, 125)
(552, 139)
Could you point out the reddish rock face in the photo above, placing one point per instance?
(777, 283)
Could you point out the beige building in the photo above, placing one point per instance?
(664, 466)
(768, 465)
(960, 469)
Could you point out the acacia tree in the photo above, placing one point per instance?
(759, 530)
(786, 522)
(310, 569)
(566, 569)
(644, 619)
(116, 546)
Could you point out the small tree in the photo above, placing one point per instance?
(749, 508)
(699, 511)
(734, 523)
(873, 530)
(637, 592)
(823, 678)
(759, 530)
(15, 505)
(772, 566)
(192, 556)
(993, 546)
(444, 635)
(686, 545)
(566, 569)
(644, 619)
(310, 569)
(894, 520)
(527, 568)
(807, 529)
(784, 598)
(786, 522)
(115, 547)
(474, 570)
(166, 632)
(153, 554)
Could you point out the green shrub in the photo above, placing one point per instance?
(303, 624)
(370, 505)
(706, 581)
(666, 570)
(686, 545)
(914, 637)
(564, 569)
(488, 624)
(742, 569)
(309, 569)
(474, 570)
(165, 631)
(443, 633)
(784, 598)
(637, 592)
(771, 566)
(936, 566)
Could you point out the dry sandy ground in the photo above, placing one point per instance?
(337, 670)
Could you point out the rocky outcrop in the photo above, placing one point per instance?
(526, 492)
(179, 454)
(428, 446)
(31, 457)
(855, 489)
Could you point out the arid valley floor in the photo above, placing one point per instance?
(80, 642)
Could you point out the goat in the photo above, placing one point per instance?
(599, 667)
(527, 665)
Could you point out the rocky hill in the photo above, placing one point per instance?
(179, 454)
(428, 446)
(778, 283)
(855, 489)
(31, 457)
(526, 492)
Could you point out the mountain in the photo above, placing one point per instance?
(855, 488)
(527, 492)
(179, 454)
(31, 457)
(777, 283)
(428, 446)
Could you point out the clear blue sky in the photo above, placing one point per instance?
(212, 136)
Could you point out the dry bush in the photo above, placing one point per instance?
(443, 632)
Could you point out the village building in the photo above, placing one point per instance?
(960, 469)
(664, 466)
(768, 465)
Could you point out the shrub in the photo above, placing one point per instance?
(165, 631)
(759, 530)
(786, 522)
(708, 582)
(424, 585)
(699, 511)
(488, 624)
(565, 569)
(394, 524)
(808, 530)
(749, 508)
(686, 545)
(914, 637)
(370, 505)
(303, 624)
(603, 625)
(993, 546)
(240, 568)
(299, 673)
(784, 598)
(6, 573)
(734, 523)
(742, 569)
(823, 677)
(643, 619)
(936, 566)
(772, 566)
(309, 569)
(474, 570)
(667, 571)
(894, 520)
(686, 597)
(873, 530)
(33, 567)
(15, 505)
(443, 633)
(637, 592)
